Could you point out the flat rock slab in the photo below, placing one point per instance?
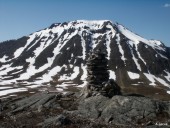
(36, 101)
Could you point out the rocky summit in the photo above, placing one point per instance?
(48, 110)
(55, 59)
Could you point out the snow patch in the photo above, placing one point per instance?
(9, 91)
(33, 86)
(112, 75)
(134, 84)
(2, 88)
(3, 59)
(59, 89)
(133, 75)
(168, 92)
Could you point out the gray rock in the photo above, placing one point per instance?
(55, 121)
(36, 101)
(90, 107)
(121, 109)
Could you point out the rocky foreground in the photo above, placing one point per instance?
(72, 111)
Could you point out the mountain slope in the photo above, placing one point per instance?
(57, 55)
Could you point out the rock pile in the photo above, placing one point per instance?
(97, 69)
(98, 76)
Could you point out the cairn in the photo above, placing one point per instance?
(97, 70)
(98, 77)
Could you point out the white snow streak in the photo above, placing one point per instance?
(120, 48)
(136, 46)
(84, 76)
(152, 79)
(8, 69)
(135, 60)
(2, 88)
(18, 52)
(108, 41)
(168, 76)
(84, 47)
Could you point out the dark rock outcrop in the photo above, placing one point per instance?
(58, 110)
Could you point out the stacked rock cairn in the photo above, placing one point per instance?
(98, 77)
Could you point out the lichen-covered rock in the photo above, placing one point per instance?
(124, 109)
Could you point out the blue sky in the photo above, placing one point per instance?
(148, 18)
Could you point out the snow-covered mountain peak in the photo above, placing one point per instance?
(58, 55)
(81, 25)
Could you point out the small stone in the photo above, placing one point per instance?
(40, 108)
(149, 123)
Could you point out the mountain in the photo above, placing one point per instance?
(57, 56)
